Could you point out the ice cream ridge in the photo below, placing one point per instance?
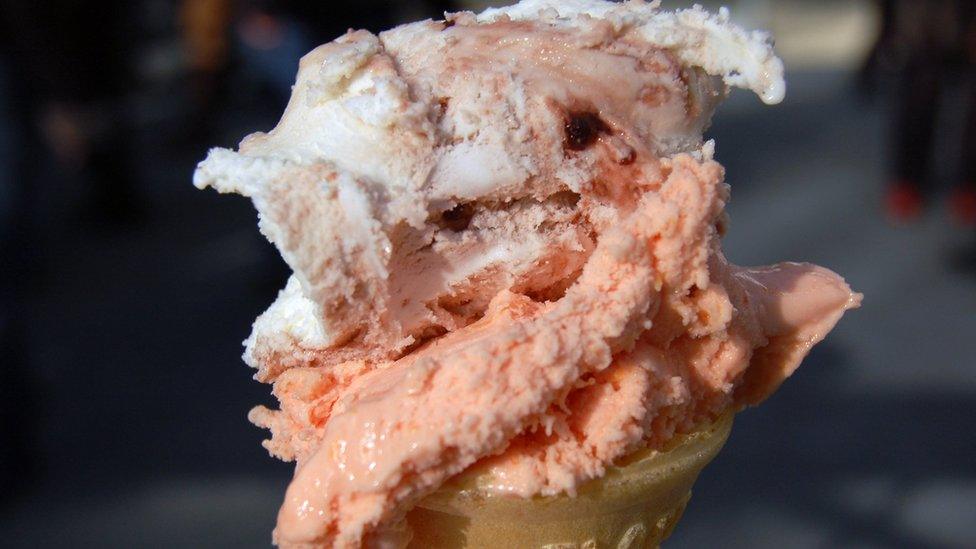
(505, 235)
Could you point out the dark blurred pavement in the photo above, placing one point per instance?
(139, 396)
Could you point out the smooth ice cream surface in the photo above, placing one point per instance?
(505, 236)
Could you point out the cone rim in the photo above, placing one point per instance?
(663, 474)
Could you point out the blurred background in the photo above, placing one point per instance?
(125, 293)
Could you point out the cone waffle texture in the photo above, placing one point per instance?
(636, 504)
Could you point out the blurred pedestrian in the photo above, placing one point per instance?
(963, 199)
(925, 45)
(205, 29)
(20, 143)
(75, 59)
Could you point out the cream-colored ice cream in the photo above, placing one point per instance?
(505, 236)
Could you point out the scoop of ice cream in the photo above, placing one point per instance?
(505, 236)
(494, 123)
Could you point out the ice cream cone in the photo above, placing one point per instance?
(636, 504)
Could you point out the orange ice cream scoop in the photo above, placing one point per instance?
(505, 235)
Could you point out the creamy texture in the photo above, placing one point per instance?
(505, 236)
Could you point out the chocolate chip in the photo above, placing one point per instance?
(457, 218)
(448, 24)
(583, 129)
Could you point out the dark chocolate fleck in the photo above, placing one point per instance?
(457, 218)
(583, 129)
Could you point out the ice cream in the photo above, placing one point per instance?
(505, 236)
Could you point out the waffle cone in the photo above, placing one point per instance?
(636, 504)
